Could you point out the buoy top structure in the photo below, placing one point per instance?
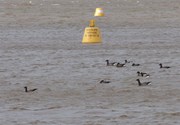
(92, 23)
(99, 12)
(92, 33)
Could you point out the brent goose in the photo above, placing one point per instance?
(161, 66)
(104, 81)
(31, 90)
(143, 74)
(139, 73)
(135, 64)
(127, 61)
(110, 64)
(119, 65)
(142, 83)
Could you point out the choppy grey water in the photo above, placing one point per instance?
(67, 75)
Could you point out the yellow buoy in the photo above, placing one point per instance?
(92, 34)
(99, 12)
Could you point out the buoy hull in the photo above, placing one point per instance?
(92, 35)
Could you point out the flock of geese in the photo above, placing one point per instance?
(142, 74)
(117, 64)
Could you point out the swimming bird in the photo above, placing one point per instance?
(127, 61)
(31, 90)
(142, 83)
(139, 73)
(143, 74)
(161, 66)
(135, 64)
(110, 64)
(119, 65)
(104, 81)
